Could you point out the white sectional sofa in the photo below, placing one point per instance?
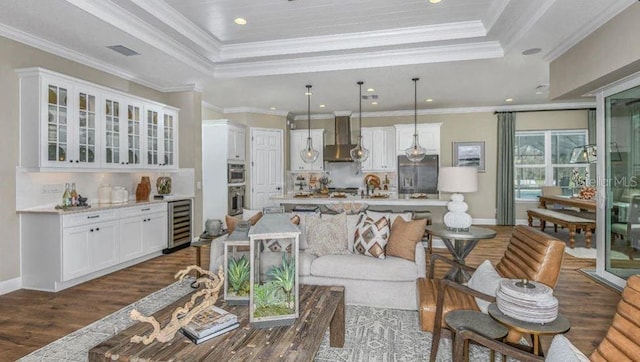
(386, 283)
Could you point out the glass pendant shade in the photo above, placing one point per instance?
(415, 153)
(359, 153)
(309, 154)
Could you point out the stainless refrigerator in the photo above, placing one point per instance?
(418, 177)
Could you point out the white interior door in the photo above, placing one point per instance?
(267, 159)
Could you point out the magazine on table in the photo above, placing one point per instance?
(209, 321)
(199, 340)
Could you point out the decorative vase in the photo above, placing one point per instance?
(143, 189)
(163, 185)
(324, 190)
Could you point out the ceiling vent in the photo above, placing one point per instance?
(123, 50)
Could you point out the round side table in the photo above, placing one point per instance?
(560, 325)
(478, 322)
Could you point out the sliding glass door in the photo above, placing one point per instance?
(619, 211)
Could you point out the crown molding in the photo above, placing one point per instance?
(495, 11)
(526, 21)
(255, 110)
(342, 113)
(379, 38)
(596, 23)
(212, 107)
(192, 87)
(444, 53)
(110, 13)
(178, 22)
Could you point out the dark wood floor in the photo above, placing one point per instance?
(30, 319)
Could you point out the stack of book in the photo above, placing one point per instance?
(210, 323)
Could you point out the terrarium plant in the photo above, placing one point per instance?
(284, 276)
(269, 300)
(238, 274)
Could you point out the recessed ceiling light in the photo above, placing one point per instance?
(272, 108)
(240, 21)
(539, 92)
(322, 106)
(429, 100)
(531, 51)
(434, 1)
(374, 103)
(370, 90)
(509, 100)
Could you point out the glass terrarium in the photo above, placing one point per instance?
(237, 268)
(273, 297)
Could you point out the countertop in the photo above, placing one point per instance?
(50, 209)
(393, 199)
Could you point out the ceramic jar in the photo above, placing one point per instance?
(104, 194)
(163, 185)
(119, 195)
(143, 189)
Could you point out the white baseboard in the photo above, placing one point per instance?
(10, 285)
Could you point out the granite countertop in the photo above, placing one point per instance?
(50, 209)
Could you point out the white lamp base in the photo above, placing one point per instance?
(457, 219)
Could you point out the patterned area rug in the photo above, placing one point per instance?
(372, 334)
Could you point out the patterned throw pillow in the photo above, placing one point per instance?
(327, 235)
(276, 245)
(371, 236)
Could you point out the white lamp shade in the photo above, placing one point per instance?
(458, 179)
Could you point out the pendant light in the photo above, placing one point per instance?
(415, 153)
(309, 154)
(359, 153)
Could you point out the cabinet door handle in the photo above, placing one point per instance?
(145, 209)
(97, 229)
(90, 230)
(77, 161)
(93, 217)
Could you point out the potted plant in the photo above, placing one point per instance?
(238, 274)
(324, 182)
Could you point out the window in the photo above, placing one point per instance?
(542, 159)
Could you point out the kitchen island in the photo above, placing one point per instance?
(391, 201)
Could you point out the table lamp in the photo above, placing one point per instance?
(457, 180)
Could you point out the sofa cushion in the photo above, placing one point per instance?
(404, 237)
(371, 236)
(327, 235)
(304, 216)
(355, 266)
(352, 223)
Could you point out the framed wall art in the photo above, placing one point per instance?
(469, 154)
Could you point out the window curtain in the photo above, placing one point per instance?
(505, 200)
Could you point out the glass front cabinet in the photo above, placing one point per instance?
(75, 124)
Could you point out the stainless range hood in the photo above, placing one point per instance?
(339, 152)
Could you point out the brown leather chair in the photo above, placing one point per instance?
(622, 342)
(530, 254)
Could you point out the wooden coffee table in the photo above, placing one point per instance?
(321, 307)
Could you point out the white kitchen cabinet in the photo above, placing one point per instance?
(89, 248)
(381, 143)
(62, 250)
(87, 126)
(121, 132)
(298, 143)
(236, 143)
(428, 136)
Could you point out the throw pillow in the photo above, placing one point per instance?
(404, 237)
(562, 350)
(371, 236)
(485, 280)
(327, 235)
(232, 221)
(392, 216)
(276, 245)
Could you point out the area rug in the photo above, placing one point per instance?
(372, 334)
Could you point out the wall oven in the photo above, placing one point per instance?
(235, 173)
(236, 200)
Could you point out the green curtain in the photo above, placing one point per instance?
(505, 200)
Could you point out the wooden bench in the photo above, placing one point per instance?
(569, 221)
